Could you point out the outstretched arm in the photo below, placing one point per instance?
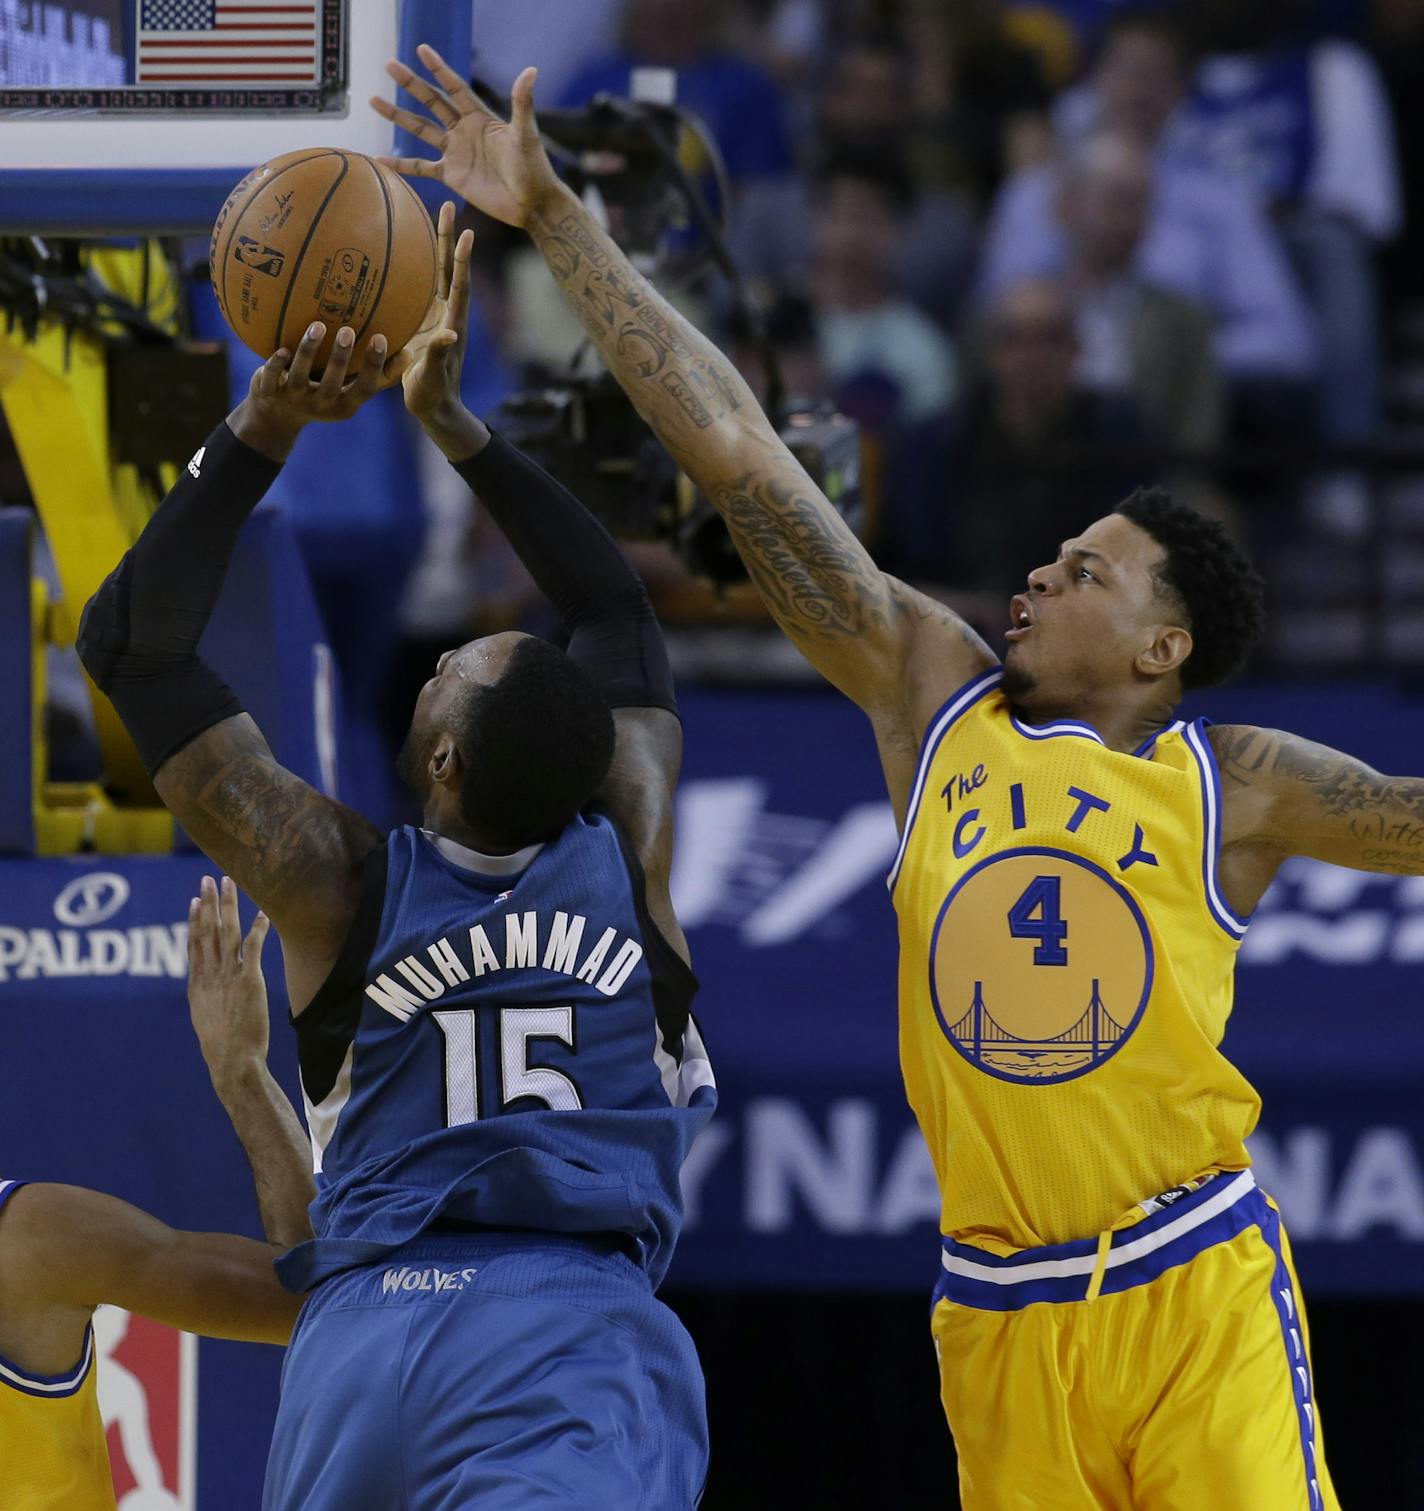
(895, 653)
(292, 848)
(613, 632)
(1284, 795)
(227, 1000)
(67, 1250)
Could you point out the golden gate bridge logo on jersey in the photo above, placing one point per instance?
(1040, 965)
(1077, 1048)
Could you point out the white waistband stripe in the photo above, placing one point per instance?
(1051, 1269)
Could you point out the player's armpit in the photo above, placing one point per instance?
(293, 850)
(1294, 797)
(84, 1249)
(640, 794)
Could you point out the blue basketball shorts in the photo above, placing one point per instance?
(499, 1371)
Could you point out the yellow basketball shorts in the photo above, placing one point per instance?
(1183, 1383)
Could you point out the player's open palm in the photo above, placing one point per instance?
(227, 994)
(437, 350)
(499, 166)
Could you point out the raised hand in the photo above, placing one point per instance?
(227, 994)
(283, 396)
(437, 350)
(500, 167)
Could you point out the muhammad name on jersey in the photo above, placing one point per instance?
(527, 940)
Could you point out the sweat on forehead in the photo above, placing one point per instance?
(484, 661)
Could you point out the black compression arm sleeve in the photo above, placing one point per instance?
(613, 633)
(139, 636)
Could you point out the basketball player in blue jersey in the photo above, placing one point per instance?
(501, 1070)
(1117, 1321)
(65, 1250)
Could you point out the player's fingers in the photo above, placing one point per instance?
(426, 93)
(420, 126)
(229, 925)
(195, 932)
(252, 945)
(458, 308)
(299, 373)
(337, 364)
(444, 252)
(267, 379)
(461, 95)
(371, 379)
(397, 367)
(521, 104)
(208, 920)
(412, 167)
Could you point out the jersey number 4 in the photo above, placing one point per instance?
(518, 1028)
(1038, 915)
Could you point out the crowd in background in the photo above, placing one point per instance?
(1041, 252)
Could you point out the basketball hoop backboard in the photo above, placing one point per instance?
(139, 116)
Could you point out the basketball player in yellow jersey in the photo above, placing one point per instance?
(1117, 1321)
(65, 1250)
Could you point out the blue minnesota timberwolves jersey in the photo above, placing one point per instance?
(505, 1043)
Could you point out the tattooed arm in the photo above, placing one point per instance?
(893, 651)
(1283, 795)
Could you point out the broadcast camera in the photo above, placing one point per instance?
(657, 174)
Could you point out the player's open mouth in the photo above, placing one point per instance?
(1020, 619)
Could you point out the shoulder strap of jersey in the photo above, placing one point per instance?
(326, 1029)
(8, 1189)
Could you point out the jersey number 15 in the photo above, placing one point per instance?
(518, 1028)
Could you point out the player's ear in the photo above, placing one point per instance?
(445, 760)
(1169, 648)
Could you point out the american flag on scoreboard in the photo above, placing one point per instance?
(246, 43)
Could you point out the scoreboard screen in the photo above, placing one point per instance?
(203, 56)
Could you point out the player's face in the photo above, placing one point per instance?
(1087, 620)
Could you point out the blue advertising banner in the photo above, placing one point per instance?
(812, 1175)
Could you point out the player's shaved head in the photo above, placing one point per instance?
(509, 740)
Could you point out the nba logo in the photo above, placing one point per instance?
(252, 254)
(148, 1397)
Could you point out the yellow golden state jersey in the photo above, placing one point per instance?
(1066, 963)
(53, 1456)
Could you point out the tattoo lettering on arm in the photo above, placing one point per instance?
(813, 574)
(1307, 799)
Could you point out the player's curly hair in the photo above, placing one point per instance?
(536, 745)
(1210, 578)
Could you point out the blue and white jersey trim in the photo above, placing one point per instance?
(1213, 1214)
(1210, 778)
(51, 1386)
(939, 726)
(1056, 729)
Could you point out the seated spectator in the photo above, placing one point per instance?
(863, 112)
(1134, 337)
(1205, 239)
(1305, 126)
(872, 342)
(737, 100)
(985, 492)
(982, 90)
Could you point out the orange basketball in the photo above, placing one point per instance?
(328, 235)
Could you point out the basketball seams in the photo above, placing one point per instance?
(390, 241)
(306, 242)
(220, 282)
